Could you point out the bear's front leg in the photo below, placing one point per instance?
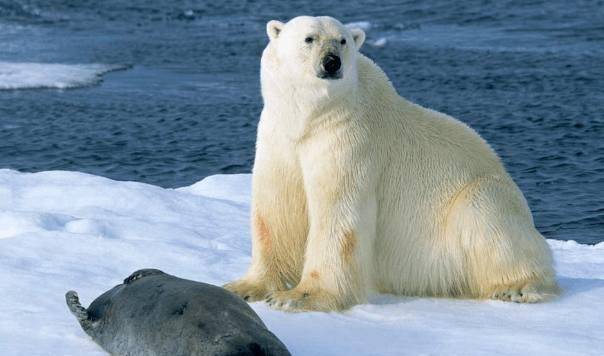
(335, 273)
(338, 259)
(278, 221)
(263, 275)
(342, 213)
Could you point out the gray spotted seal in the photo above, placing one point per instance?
(154, 313)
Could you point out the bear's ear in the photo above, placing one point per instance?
(273, 29)
(358, 36)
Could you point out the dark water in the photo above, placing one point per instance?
(528, 76)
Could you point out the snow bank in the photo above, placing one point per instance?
(51, 75)
(69, 230)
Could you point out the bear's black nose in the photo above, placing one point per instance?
(331, 64)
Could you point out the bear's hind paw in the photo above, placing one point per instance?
(525, 293)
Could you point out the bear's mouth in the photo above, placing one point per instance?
(330, 76)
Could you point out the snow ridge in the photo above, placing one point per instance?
(69, 230)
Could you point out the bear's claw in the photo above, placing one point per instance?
(249, 291)
(298, 300)
(530, 292)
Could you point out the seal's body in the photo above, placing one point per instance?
(154, 313)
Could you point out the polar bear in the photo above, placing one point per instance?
(356, 190)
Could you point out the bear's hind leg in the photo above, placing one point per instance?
(504, 256)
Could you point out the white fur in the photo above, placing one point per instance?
(357, 190)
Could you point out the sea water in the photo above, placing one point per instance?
(167, 92)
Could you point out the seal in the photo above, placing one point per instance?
(154, 313)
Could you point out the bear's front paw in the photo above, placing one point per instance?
(301, 299)
(250, 291)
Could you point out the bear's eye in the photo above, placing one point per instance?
(308, 39)
(343, 41)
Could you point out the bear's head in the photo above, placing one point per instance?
(312, 50)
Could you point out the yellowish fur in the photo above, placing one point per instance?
(357, 190)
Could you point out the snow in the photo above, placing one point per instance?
(69, 230)
(15, 75)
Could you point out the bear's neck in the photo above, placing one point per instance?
(304, 101)
(300, 107)
(298, 110)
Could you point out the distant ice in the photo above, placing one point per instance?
(16, 75)
(380, 42)
(68, 230)
(363, 25)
